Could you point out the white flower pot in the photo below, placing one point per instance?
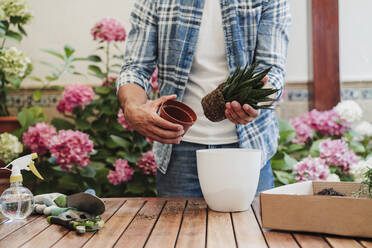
(229, 177)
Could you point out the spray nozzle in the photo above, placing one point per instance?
(23, 163)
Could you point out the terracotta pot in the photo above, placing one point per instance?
(8, 124)
(179, 113)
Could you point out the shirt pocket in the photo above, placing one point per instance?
(249, 15)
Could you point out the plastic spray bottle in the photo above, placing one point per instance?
(17, 202)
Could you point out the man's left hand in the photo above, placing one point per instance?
(245, 114)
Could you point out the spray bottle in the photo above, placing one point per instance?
(17, 202)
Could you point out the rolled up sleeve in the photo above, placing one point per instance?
(273, 40)
(140, 54)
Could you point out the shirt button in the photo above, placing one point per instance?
(189, 52)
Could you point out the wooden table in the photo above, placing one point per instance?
(159, 222)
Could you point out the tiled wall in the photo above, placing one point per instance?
(294, 102)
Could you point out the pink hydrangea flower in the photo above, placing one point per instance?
(328, 122)
(303, 130)
(311, 169)
(147, 164)
(108, 29)
(110, 82)
(122, 121)
(154, 80)
(71, 147)
(38, 137)
(75, 95)
(122, 173)
(337, 153)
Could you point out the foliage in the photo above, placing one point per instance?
(14, 65)
(67, 65)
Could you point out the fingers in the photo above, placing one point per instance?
(265, 80)
(240, 115)
(156, 103)
(162, 123)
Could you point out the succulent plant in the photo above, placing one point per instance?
(244, 86)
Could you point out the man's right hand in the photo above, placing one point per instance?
(144, 119)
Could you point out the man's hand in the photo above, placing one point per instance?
(245, 114)
(145, 120)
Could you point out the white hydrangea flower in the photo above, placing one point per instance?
(10, 147)
(333, 178)
(349, 111)
(18, 9)
(359, 169)
(14, 63)
(364, 128)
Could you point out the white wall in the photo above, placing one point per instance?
(59, 22)
(355, 40)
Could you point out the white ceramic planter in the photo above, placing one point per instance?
(228, 177)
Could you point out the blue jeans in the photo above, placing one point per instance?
(181, 179)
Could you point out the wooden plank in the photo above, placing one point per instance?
(366, 243)
(338, 242)
(116, 225)
(72, 239)
(325, 90)
(220, 231)
(310, 241)
(55, 232)
(22, 235)
(193, 229)
(247, 230)
(140, 228)
(273, 238)
(8, 226)
(166, 229)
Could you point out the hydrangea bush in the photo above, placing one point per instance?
(92, 146)
(14, 64)
(10, 147)
(333, 145)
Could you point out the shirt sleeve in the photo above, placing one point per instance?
(141, 46)
(273, 40)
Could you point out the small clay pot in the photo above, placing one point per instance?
(179, 113)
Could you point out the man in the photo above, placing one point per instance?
(196, 45)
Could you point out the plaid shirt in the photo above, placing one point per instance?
(164, 33)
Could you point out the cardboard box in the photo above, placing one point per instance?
(295, 207)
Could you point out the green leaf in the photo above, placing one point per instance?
(284, 177)
(102, 90)
(25, 118)
(289, 161)
(68, 182)
(54, 53)
(357, 147)
(132, 157)
(286, 136)
(120, 141)
(36, 79)
(135, 187)
(111, 160)
(314, 149)
(68, 51)
(37, 95)
(56, 87)
(82, 124)
(87, 171)
(13, 35)
(294, 147)
(97, 165)
(21, 30)
(62, 124)
(94, 58)
(96, 70)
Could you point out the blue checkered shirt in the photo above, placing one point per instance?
(164, 33)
